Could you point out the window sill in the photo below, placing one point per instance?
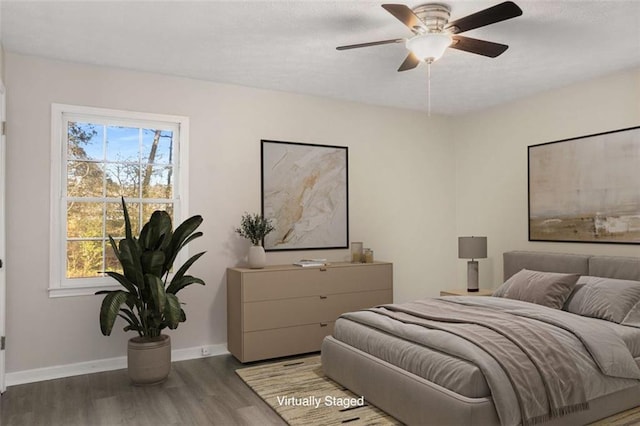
(81, 290)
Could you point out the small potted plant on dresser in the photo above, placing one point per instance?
(254, 228)
(149, 301)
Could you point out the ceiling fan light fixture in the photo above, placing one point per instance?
(429, 47)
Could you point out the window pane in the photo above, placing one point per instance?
(84, 259)
(111, 261)
(123, 144)
(84, 179)
(84, 141)
(157, 146)
(115, 219)
(84, 220)
(123, 180)
(148, 209)
(157, 182)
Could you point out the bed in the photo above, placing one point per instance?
(424, 372)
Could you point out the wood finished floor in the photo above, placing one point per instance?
(203, 391)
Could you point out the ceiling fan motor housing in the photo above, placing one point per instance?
(434, 15)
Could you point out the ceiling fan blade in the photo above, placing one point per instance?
(497, 13)
(406, 16)
(479, 47)
(372, 43)
(410, 62)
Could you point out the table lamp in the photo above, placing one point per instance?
(472, 248)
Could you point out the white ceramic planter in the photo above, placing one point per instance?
(257, 257)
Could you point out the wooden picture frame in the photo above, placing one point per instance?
(586, 189)
(305, 194)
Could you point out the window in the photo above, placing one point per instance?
(98, 156)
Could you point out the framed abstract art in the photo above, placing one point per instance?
(586, 189)
(305, 195)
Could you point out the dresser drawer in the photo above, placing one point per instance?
(308, 310)
(284, 341)
(276, 284)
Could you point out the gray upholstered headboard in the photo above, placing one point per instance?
(625, 268)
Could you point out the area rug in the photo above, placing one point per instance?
(301, 394)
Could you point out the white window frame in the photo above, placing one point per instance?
(60, 285)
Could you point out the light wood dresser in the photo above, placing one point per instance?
(286, 310)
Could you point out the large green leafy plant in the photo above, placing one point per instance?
(149, 301)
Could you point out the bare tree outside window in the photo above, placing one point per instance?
(105, 162)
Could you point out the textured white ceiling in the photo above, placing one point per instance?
(290, 46)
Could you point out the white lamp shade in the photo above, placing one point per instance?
(472, 247)
(429, 47)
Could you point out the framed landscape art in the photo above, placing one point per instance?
(586, 189)
(305, 195)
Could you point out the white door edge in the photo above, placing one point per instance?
(2, 233)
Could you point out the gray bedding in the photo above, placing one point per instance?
(629, 335)
(456, 374)
(450, 360)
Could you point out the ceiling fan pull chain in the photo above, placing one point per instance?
(428, 88)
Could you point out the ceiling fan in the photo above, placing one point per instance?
(433, 33)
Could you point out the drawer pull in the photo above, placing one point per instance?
(323, 297)
(323, 324)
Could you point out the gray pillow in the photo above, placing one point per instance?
(549, 289)
(605, 298)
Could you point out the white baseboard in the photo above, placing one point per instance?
(108, 364)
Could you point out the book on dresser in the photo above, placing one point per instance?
(283, 310)
(305, 263)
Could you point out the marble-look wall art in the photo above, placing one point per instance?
(586, 189)
(305, 194)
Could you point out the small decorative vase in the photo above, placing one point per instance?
(149, 360)
(257, 257)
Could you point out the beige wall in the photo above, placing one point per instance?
(491, 162)
(415, 185)
(401, 176)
